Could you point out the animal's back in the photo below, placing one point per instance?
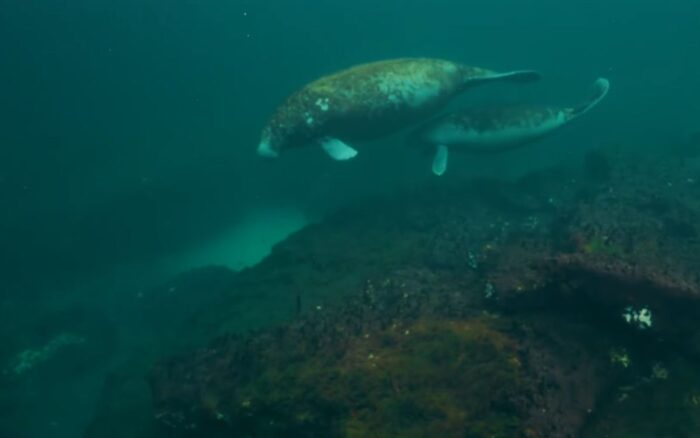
(379, 97)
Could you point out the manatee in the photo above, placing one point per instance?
(370, 101)
(498, 128)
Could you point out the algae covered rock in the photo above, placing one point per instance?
(409, 356)
(442, 377)
(539, 308)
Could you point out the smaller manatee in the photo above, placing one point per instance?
(497, 129)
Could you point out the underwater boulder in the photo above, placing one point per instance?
(409, 357)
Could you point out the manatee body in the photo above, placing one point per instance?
(497, 129)
(370, 101)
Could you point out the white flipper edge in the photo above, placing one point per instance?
(337, 149)
(440, 160)
(515, 76)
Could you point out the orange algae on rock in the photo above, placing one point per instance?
(433, 376)
(443, 377)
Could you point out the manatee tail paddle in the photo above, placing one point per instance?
(598, 91)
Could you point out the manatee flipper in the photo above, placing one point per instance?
(440, 159)
(337, 149)
(598, 91)
(521, 76)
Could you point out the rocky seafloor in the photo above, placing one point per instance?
(563, 304)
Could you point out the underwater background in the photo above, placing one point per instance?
(127, 160)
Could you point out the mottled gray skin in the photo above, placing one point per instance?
(371, 100)
(499, 128)
(490, 127)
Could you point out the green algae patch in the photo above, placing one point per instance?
(446, 377)
(600, 247)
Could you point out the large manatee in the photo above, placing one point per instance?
(369, 101)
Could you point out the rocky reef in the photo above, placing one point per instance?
(560, 305)
(399, 359)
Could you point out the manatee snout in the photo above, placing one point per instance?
(266, 148)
